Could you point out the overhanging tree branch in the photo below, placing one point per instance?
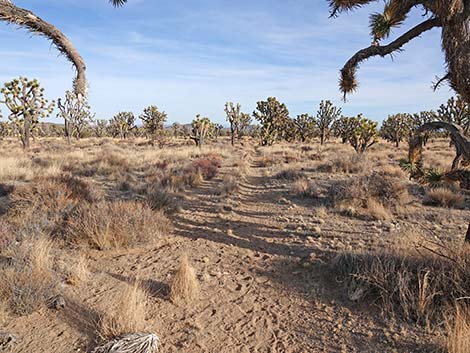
(24, 18)
(348, 81)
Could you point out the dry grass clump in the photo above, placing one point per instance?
(230, 184)
(41, 206)
(128, 315)
(108, 225)
(28, 281)
(15, 169)
(290, 174)
(77, 271)
(184, 286)
(370, 196)
(457, 339)
(270, 160)
(349, 164)
(161, 199)
(107, 163)
(416, 283)
(444, 197)
(305, 188)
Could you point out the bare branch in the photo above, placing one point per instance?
(348, 81)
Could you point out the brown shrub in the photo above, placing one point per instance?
(230, 184)
(29, 282)
(306, 188)
(208, 166)
(185, 286)
(41, 206)
(344, 164)
(290, 174)
(444, 197)
(128, 315)
(416, 283)
(107, 225)
(369, 192)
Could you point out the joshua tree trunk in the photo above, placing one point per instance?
(26, 132)
(10, 13)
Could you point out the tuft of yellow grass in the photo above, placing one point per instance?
(185, 286)
(128, 315)
(78, 271)
(458, 330)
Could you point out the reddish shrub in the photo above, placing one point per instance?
(208, 165)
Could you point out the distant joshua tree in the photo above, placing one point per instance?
(326, 115)
(274, 117)
(456, 111)
(304, 127)
(10, 13)
(76, 114)
(25, 100)
(202, 128)
(363, 134)
(239, 122)
(123, 124)
(153, 120)
(396, 128)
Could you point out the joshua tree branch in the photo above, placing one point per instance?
(26, 19)
(348, 72)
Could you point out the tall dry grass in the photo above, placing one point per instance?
(128, 315)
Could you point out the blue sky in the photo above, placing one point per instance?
(191, 56)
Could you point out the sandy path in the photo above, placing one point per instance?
(256, 294)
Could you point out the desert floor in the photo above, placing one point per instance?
(263, 236)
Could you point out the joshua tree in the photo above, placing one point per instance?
(26, 102)
(10, 13)
(76, 114)
(218, 129)
(418, 120)
(201, 129)
(326, 115)
(123, 124)
(456, 111)
(153, 120)
(363, 134)
(239, 121)
(100, 127)
(304, 127)
(344, 127)
(396, 128)
(452, 16)
(273, 117)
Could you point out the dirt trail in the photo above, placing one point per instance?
(257, 294)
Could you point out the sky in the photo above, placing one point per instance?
(189, 57)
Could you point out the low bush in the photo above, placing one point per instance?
(28, 282)
(417, 283)
(119, 224)
(444, 197)
(369, 195)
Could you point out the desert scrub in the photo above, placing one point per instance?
(41, 206)
(369, 195)
(290, 174)
(207, 165)
(28, 281)
(417, 283)
(444, 197)
(349, 164)
(107, 225)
